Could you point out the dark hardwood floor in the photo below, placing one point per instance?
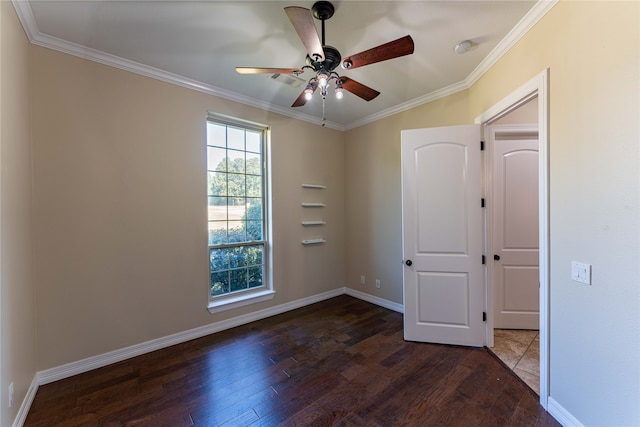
(340, 362)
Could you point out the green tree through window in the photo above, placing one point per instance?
(236, 189)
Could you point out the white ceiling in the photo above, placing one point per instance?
(199, 44)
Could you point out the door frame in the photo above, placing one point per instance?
(538, 86)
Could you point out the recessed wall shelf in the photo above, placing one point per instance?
(313, 241)
(313, 222)
(313, 205)
(317, 186)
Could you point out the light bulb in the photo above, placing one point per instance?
(322, 79)
(308, 92)
(339, 89)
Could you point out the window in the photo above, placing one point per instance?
(236, 185)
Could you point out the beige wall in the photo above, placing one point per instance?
(592, 50)
(526, 114)
(120, 207)
(373, 202)
(17, 339)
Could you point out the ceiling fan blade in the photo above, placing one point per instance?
(301, 100)
(302, 21)
(258, 70)
(394, 49)
(358, 89)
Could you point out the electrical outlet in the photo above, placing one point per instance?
(10, 395)
(378, 283)
(363, 280)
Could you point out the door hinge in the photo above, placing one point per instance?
(484, 316)
(484, 260)
(482, 202)
(481, 145)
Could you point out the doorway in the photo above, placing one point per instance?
(512, 240)
(536, 88)
(445, 300)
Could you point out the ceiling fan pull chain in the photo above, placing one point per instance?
(323, 115)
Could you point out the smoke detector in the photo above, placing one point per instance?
(463, 47)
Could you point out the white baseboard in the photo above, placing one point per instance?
(99, 361)
(561, 415)
(21, 416)
(375, 300)
(94, 362)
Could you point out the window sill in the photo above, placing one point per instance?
(240, 301)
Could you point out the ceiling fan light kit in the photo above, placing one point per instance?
(323, 59)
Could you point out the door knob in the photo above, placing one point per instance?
(496, 257)
(408, 262)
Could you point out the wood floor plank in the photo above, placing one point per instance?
(340, 362)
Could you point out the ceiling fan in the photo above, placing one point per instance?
(323, 59)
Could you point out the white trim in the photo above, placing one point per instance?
(74, 368)
(21, 416)
(25, 14)
(94, 362)
(440, 93)
(563, 416)
(537, 86)
(526, 23)
(224, 304)
(375, 300)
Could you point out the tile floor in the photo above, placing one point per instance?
(520, 351)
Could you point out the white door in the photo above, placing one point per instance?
(514, 208)
(442, 235)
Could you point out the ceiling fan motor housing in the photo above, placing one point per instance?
(331, 59)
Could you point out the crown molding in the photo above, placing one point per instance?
(25, 15)
(527, 22)
(421, 100)
(532, 17)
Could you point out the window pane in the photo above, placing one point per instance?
(236, 162)
(217, 232)
(236, 188)
(235, 138)
(254, 208)
(254, 141)
(217, 201)
(254, 255)
(254, 186)
(219, 259)
(255, 276)
(217, 182)
(238, 257)
(253, 164)
(217, 209)
(219, 283)
(237, 212)
(254, 230)
(238, 279)
(236, 232)
(216, 159)
(216, 134)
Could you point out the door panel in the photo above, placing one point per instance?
(515, 233)
(442, 235)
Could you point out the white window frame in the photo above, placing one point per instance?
(266, 292)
